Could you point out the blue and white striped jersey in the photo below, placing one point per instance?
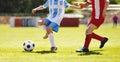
(56, 10)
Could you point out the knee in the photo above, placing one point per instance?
(41, 22)
(88, 31)
(49, 30)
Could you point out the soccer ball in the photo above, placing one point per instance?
(28, 45)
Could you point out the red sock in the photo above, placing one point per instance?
(95, 36)
(87, 40)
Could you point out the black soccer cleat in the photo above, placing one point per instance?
(103, 42)
(83, 50)
(53, 49)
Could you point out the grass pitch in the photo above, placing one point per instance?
(68, 39)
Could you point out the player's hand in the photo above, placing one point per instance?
(33, 11)
(74, 3)
(72, 6)
(81, 6)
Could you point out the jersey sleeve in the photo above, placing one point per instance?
(66, 4)
(46, 4)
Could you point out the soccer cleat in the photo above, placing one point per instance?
(45, 37)
(83, 50)
(53, 49)
(103, 42)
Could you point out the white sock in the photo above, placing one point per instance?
(51, 38)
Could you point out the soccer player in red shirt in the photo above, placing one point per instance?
(97, 18)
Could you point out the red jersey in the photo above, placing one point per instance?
(98, 6)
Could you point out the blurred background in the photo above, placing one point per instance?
(22, 8)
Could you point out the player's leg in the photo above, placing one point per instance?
(43, 24)
(88, 38)
(48, 31)
(100, 38)
(113, 23)
(52, 27)
(49, 34)
(52, 41)
(97, 37)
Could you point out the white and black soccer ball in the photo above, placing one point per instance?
(28, 45)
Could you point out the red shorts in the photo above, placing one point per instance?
(96, 22)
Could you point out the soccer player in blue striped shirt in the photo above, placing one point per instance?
(52, 22)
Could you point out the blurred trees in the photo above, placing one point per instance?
(113, 1)
(25, 6)
(19, 6)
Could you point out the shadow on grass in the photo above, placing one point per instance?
(41, 52)
(94, 52)
(44, 52)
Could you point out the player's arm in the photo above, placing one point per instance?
(81, 5)
(75, 7)
(106, 5)
(69, 5)
(41, 7)
(105, 8)
(37, 9)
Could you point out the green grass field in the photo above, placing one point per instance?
(68, 39)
